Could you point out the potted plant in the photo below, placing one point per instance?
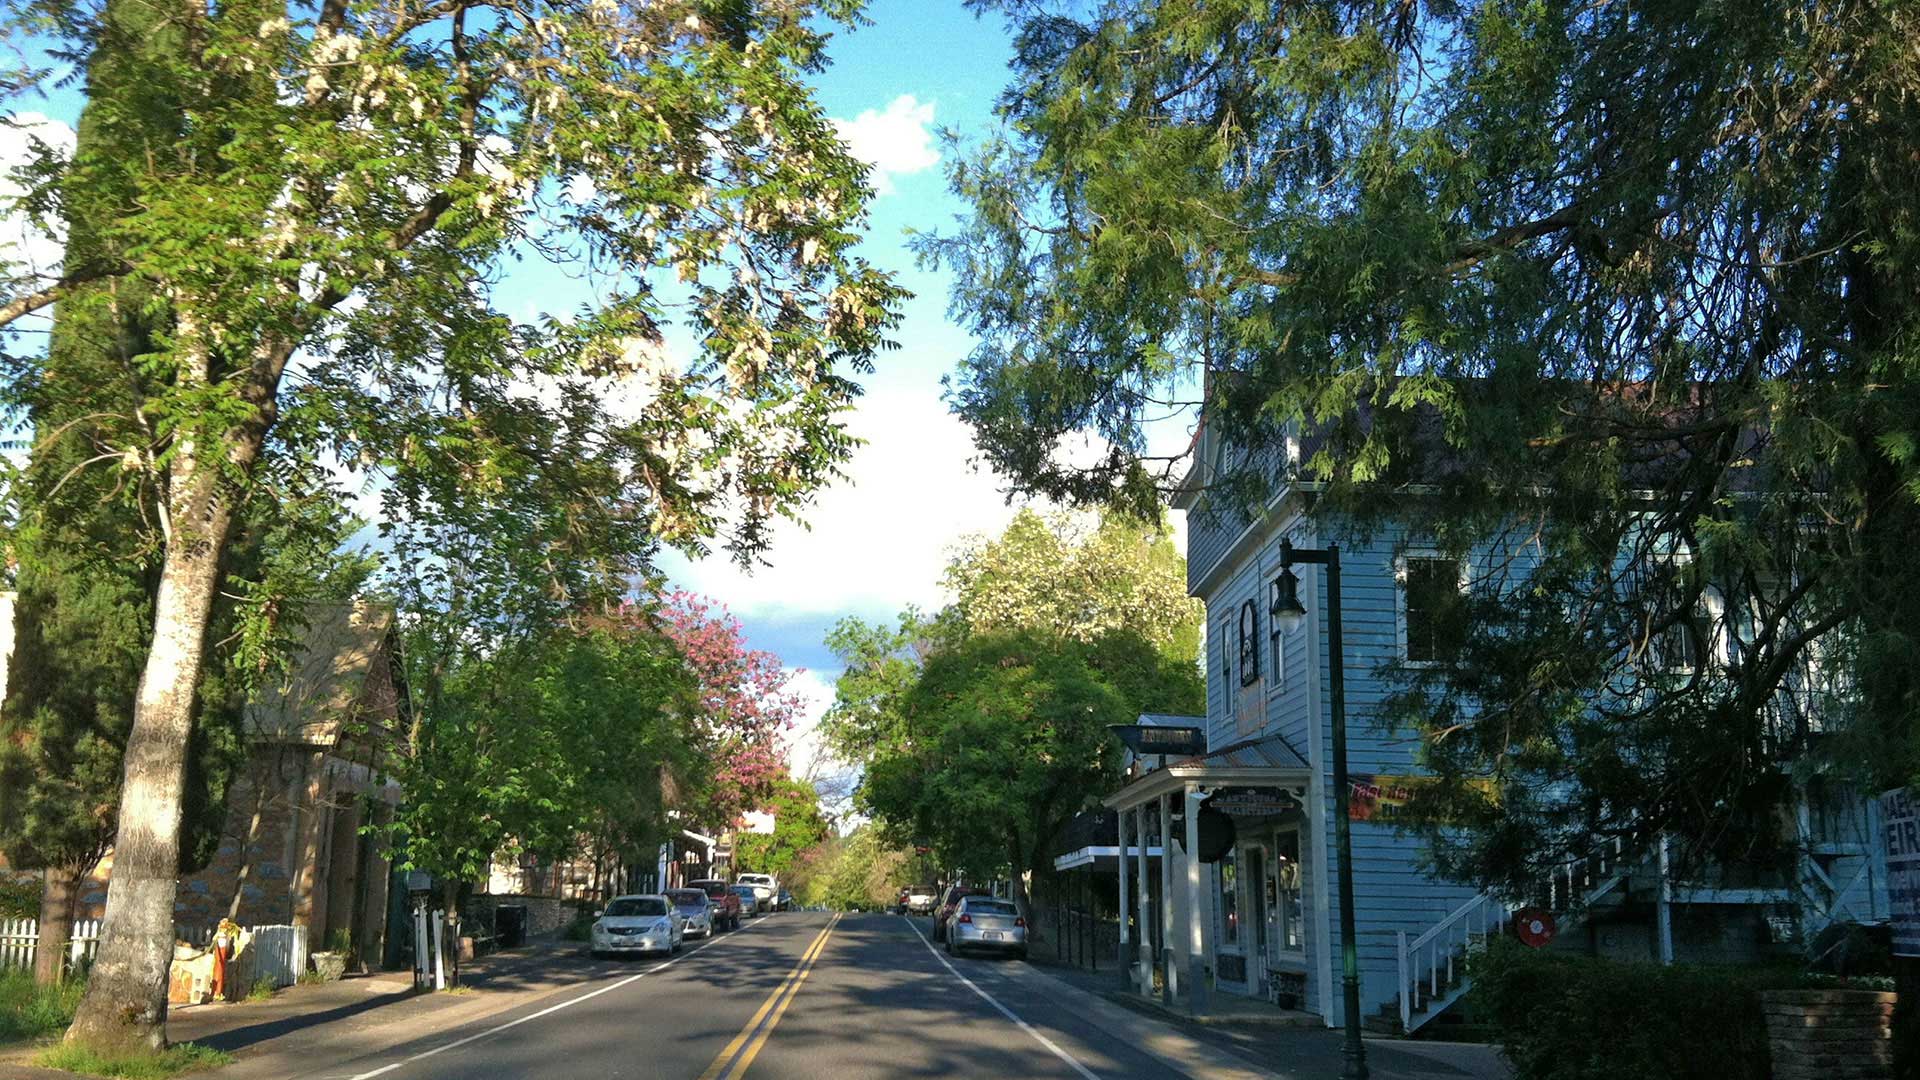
(332, 963)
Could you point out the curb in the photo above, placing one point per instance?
(1151, 1035)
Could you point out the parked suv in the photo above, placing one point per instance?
(766, 891)
(726, 906)
(917, 899)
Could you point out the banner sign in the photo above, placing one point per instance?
(1900, 828)
(1379, 798)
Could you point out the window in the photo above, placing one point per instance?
(1229, 898)
(1432, 608)
(1249, 643)
(1226, 655)
(1680, 646)
(1284, 893)
(629, 906)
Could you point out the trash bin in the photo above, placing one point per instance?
(510, 925)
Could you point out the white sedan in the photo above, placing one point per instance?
(637, 924)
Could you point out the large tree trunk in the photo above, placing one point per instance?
(125, 1007)
(57, 898)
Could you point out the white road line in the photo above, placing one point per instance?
(1004, 1011)
(570, 1002)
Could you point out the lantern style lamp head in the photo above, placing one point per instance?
(1283, 602)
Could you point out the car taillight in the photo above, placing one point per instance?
(966, 919)
(1019, 922)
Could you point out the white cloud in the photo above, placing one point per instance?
(895, 141)
(803, 742)
(880, 539)
(22, 247)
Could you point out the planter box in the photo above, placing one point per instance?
(329, 965)
(1829, 1034)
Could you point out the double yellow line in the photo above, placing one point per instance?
(733, 1061)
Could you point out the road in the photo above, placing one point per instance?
(798, 996)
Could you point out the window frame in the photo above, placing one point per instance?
(1401, 580)
(1247, 642)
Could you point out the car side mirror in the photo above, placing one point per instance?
(597, 914)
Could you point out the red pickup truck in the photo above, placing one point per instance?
(726, 905)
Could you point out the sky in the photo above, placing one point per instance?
(879, 540)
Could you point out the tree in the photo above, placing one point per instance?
(1627, 289)
(744, 708)
(1079, 578)
(396, 155)
(983, 730)
(798, 826)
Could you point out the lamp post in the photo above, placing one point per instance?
(1287, 612)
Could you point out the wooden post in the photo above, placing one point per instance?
(1196, 909)
(1121, 951)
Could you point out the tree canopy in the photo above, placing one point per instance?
(1628, 288)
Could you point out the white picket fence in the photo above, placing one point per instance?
(20, 941)
(280, 950)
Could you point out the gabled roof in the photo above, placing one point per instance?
(323, 687)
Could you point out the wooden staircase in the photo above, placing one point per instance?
(1433, 964)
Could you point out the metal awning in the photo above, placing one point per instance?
(1269, 761)
(1103, 859)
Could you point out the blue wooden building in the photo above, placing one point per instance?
(1256, 915)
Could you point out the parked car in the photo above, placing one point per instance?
(943, 908)
(785, 899)
(637, 924)
(917, 899)
(987, 922)
(726, 903)
(749, 903)
(695, 911)
(765, 889)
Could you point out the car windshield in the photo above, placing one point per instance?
(715, 889)
(688, 897)
(743, 890)
(637, 905)
(979, 906)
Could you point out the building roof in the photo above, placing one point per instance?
(324, 684)
(1268, 761)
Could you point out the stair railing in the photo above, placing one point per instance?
(1428, 959)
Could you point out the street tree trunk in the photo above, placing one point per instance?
(57, 897)
(125, 1007)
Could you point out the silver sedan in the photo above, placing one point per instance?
(987, 922)
(637, 924)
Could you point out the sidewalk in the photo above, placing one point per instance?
(304, 1028)
(1256, 1045)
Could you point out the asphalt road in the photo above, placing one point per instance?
(800, 995)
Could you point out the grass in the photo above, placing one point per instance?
(262, 990)
(311, 978)
(174, 1060)
(30, 1011)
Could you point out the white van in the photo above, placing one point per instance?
(766, 891)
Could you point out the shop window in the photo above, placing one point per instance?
(1285, 894)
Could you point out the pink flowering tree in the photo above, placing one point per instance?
(745, 707)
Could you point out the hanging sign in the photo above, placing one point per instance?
(1253, 802)
(1217, 834)
(1145, 739)
(1900, 834)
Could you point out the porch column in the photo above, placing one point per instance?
(1196, 909)
(1120, 829)
(1173, 945)
(1143, 964)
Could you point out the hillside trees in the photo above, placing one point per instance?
(395, 156)
(1631, 289)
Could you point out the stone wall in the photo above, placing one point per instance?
(546, 915)
(1829, 1034)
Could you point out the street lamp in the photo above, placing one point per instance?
(1287, 611)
